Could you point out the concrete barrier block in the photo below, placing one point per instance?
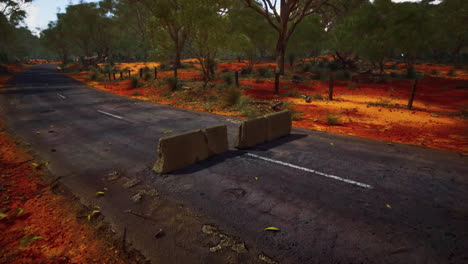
(182, 150)
(278, 125)
(252, 132)
(217, 139)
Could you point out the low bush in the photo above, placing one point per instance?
(317, 97)
(411, 73)
(231, 97)
(452, 73)
(332, 119)
(435, 72)
(352, 86)
(382, 102)
(296, 78)
(173, 83)
(263, 72)
(228, 78)
(135, 82)
(295, 115)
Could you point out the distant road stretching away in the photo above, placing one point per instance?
(336, 199)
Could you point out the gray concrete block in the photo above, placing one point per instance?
(217, 139)
(252, 132)
(182, 150)
(278, 125)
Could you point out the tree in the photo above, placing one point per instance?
(172, 19)
(205, 44)
(250, 37)
(284, 21)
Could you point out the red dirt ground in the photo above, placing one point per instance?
(435, 120)
(45, 223)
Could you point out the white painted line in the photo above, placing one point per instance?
(61, 96)
(109, 114)
(312, 171)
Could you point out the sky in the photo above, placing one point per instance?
(41, 12)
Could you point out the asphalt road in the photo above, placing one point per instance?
(336, 199)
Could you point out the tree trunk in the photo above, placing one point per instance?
(237, 79)
(413, 91)
(277, 83)
(330, 89)
(155, 73)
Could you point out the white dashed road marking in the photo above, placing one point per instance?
(61, 96)
(312, 171)
(105, 113)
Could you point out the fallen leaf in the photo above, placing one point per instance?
(99, 193)
(93, 213)
(3, 215)
(271, 228)
(256, 178)
(35, 165)
(105, 189)
(38, 132)
(331, 143)
(28, 239)
(388, 206)
(167, 132)
(20, 211)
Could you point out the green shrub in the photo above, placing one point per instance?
(231, 97)
(394, 75)
(452, 73)
(136, 93)
(382, 102)
(250, 112)
(173, 83)
(296, 79)
(246, 71)
(435, 72)
(147, 74)
(263, 72)
(317, 97)
(343, 75)
(228, 78)
(296, 115)
(293, 93)
(411, 73)
(307, 67)
(352, 86)
(332, 119)
(164, 67)
(135, 82)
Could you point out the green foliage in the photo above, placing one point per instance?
(411, 73)
(435, 72)
(228, 78)
(382, 102)
(264, 72)
(173, 83)
(296, 79)
(332, 119)
(296, 115)
(135, 82)
(231, 97)
(317, 97)
(343, 75)
(452, 73)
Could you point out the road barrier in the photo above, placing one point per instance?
(217, 139)
(182, 150)
(252, 132)
(263, 129)
(278, 125)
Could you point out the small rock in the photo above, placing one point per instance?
(209, 229)
(113, 175)
(131, 183)
(160, 233)
(137, 197)
(266, 259)
(239, 248)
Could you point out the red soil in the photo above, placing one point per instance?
(435, 120)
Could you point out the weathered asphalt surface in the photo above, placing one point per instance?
(415, 212)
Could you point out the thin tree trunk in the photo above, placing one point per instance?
(330, 89)
(413, 91)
